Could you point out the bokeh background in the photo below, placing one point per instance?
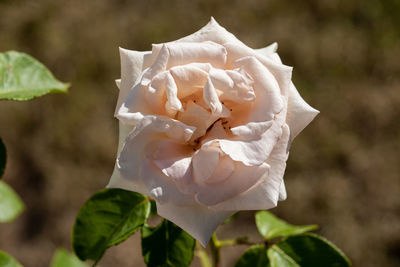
(343, 172)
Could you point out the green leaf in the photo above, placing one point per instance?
(271, 227)
(22, 77)
(8, 261)
(278, 258)
(231, 218)
(108, 218)
(306, 250)
(3, 157)
(10, 203)
(63, 258)
(255, 256)
(167, 245)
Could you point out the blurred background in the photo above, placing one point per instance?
(343, 171)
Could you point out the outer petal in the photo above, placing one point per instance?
(265, 194)
(149, 130)
(131, 67)
(299, 113)
(199, 221)
(268, 50)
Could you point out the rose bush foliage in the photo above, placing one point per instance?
(205, 127)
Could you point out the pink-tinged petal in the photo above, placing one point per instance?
(205, 52)
(268, 50)
(241, 179)
(159, 65)
(252, 130)
(173, 104)
(299, 113)
(282, 73)
(217, 131)
(268, 100)
(282, 191)
(118, 83)
(174, 160)
(223, 171)
(199, 221)
(266, 193)
(150, 130)
(205, 162)
(253, 152)
(131, 68)
(211, 98)
(161, 188)
(211, 32)
(232, 85)
(190, 78)
(116, 181)
(196, 116)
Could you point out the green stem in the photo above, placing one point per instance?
(203, 256)
(215, 250)
(215, 247)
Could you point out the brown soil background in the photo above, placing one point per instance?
(343, 171)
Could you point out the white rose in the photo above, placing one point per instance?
(205, 127)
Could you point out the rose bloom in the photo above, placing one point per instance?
(205, 127)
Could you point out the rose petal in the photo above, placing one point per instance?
(149, 130)
(300, 114)
(205, 162)
(268, 100)
(198, 117)
(282, 73)
(253, 152)
(252, 130)
(233, 85)
(131, 67)
(190, 78)
(242, 178)
(174, 160)
(161, 188)
(199, 221)
(282, 191)
(265, 194)
(173, 104)
(211, 32)
(268, 50)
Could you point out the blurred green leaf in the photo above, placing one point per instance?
(306, 250)
(255, 256)
(63, 258)
(10, 203)
(3, 157)
(231, 218)
(167, 245)
(271, 227)
(153, 210)
(22, 77)
(8, 261)
(108, 218)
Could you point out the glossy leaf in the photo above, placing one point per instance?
(255, 256)
(22, 77)
(10, 203)
(307, 250)
(8, 261)
(108, 218)
(63, 258)
(3, 157)
(278, 258)
(167, 245)
(271, 227)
